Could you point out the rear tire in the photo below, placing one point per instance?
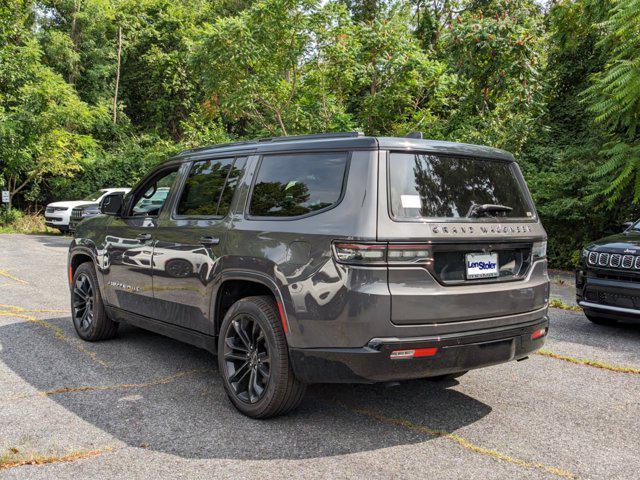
(87, 309)
(448, 376)
(600, 320)
(253, 359)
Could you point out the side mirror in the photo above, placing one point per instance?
(112, 204)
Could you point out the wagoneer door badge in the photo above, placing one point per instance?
(482, 229)
(122, 286)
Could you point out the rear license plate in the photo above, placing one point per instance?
(481, 265)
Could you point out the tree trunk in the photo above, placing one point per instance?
(115, 92)
(76, 11)
(281, 123)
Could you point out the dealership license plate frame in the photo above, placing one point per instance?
(476, 273)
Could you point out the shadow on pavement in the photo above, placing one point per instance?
(190, 415)
(53, 240)
(574, 327)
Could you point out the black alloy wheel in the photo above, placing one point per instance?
(83, 302)
(87, 309)
(253, 359)
(246, 355)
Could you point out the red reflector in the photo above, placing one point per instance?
(283, 319)
(538, 333)
(425, 352)
(418, 352)
(70, 275)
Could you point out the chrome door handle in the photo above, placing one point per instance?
(208, 241)
(143, 237)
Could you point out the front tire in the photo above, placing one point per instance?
(87, 309)
(254, 360)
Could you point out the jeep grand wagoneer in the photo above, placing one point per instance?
(322, 258)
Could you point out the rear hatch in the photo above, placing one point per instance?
(475, 226)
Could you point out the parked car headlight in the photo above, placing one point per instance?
(539, 250)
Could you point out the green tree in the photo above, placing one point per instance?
(562, 150)
(45, 127)
(614, 97)
(496, 46)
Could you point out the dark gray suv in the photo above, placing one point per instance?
(321, 258)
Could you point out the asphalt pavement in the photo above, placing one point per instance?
(145, 406)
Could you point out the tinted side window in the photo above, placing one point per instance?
(297, 184)
(203, 187)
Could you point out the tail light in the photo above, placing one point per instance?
(383, 254)
(539, 250)
(360, 253)
(538, 333)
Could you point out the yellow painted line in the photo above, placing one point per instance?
(589, 363)
(464, 443)
(19, 312)
(14, 459)
(119, 386)
(13, 308)
(6, 274)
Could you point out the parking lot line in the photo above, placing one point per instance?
(6, 274)
(589, 363)
(13, 460)
(464, 443)
(119, 386)
(20, 312)
(16, 309)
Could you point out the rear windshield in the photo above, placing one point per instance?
(431, 186)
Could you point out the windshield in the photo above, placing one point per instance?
(432, 186)
(94, 197)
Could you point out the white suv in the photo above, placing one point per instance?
(58, 214)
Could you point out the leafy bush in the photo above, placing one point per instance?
(8, 218)
(26, 223)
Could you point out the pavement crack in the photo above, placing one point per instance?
(464, 443)
(118, 386)
(14, 459)
(590, 363)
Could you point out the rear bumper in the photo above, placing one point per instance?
(454, 353)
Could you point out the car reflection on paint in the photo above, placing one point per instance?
(179, 261)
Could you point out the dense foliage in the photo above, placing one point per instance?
(94, 92)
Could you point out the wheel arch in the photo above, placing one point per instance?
(234, 286)
(78, 256)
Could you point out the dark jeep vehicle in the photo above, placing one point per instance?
(608, 278)
(322, 258)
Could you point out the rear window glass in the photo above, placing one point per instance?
(431, 186)
(205, 193)
(294, 185)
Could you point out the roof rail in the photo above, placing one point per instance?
(313, 136)
(292, 138)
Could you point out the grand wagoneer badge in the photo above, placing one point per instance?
(482, 229)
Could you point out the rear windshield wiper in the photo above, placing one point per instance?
(479, 210)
